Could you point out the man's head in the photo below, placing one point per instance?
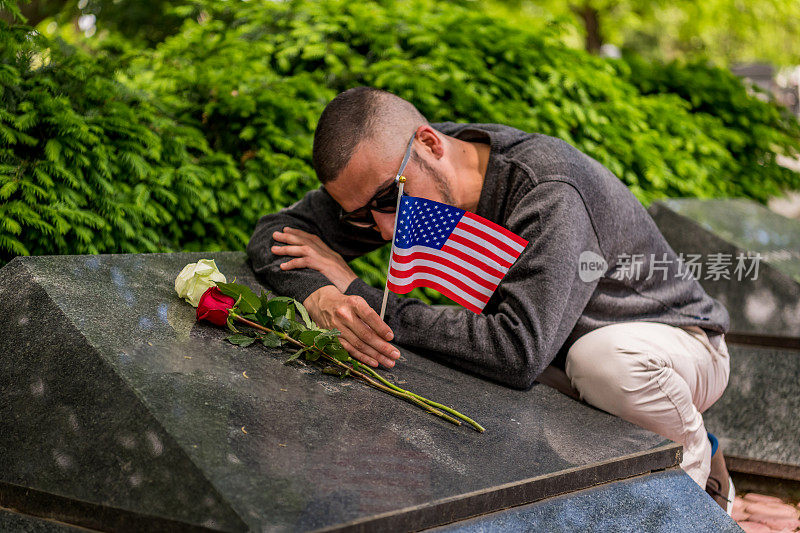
(359, 145)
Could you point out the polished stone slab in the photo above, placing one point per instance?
(764, 306)
(18, 523)
(120, 411)
(664, 502)
(756, 419)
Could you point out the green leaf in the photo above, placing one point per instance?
(304, 313)
(262, 315)
(282, 323)
(230, 324)
(240, 340)
(308, 337)
(283, 305)
(271, 340)
(336, 371)
(248, 302)
(278, 307)
(295, 328)
(264, 298)
(296, 355)
(323, 340)
(336, 351)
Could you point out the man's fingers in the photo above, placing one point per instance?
(373, 320)
(289, 229)
(373, 340)
(300, 235)
(361, 350)
(298, 262)
(290, 238)
(349, 315)
(363, 339)
(297, 251)
(356, 354)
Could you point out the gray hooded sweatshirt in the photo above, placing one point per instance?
(565, 204)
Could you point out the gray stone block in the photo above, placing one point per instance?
(765, 309)
(120, 411)
(757, 419)
(11, 521)
(664, 502)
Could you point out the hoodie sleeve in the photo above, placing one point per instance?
(316, 213)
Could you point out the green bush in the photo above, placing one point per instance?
(229, 104)
(255, 77)
(86, 166)
(752, 131)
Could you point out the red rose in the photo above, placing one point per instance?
(214, 306)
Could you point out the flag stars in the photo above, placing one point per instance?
(425, 223)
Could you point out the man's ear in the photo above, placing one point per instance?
(432, 140)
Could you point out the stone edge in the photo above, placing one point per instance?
(517, 493)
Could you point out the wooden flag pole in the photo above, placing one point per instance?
(402, 181)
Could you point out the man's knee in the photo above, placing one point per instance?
(600, 355)
(610, 371)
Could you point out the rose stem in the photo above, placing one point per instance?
(430, 402)
(404, 395)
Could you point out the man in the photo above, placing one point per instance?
(639, 339)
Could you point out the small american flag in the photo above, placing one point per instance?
(461, 255)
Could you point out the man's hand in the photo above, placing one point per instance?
(310, 252)
(364, 335)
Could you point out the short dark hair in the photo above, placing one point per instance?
(351, 117)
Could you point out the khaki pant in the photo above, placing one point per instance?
(656, 376)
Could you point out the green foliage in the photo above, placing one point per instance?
(254, 77)
(751, 130)
(11, 7)
(142, 22)
(87, 166)
(240, 340)
(246, 300)
(199, 137)
(287, 319)
(725, 31)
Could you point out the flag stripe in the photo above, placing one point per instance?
(490, 252)
(441, 286)
(490, 236)
(481, 285)
(468, 255)
(402, 276)
(484, 244)
(486, 223)
(411, 256)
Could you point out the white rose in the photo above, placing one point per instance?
(196, 278)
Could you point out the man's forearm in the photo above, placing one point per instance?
(298, 284)
(305, 250)
(317, 214)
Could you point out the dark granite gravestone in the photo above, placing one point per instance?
(764, 305)
(18, 523)
(119, 411)
(756, 419)
(664, 502)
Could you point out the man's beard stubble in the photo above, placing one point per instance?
(439, 179)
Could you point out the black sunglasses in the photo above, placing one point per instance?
(384, 201)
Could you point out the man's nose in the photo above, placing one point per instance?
(385, 223)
